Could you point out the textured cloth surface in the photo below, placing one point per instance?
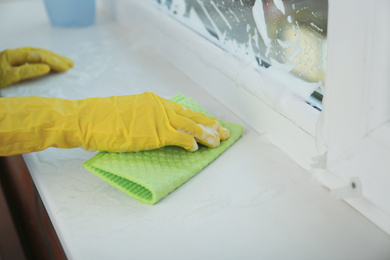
(151, 175)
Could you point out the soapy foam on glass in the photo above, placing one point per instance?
(223, 24)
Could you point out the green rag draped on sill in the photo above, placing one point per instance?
(149, 176)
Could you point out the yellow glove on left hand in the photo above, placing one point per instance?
(26, 63)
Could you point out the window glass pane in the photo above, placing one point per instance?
(288, 33)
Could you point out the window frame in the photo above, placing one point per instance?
(354, 135)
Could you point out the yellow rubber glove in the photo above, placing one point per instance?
(26, 63)
(114, 124)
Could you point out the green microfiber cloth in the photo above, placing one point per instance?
(149, 176)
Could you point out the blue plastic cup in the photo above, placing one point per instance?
(71, 13)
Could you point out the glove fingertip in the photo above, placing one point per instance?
(64, 64)
(43, 68)
(183, 139)
(194, 147)
(69, 62)
(224, 133)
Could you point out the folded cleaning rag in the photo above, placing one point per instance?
(149, 176)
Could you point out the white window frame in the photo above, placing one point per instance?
(349, 140)
(354, 131)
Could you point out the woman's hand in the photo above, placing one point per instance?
(114, 124)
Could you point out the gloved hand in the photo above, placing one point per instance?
(26, 63)
(114, 124)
